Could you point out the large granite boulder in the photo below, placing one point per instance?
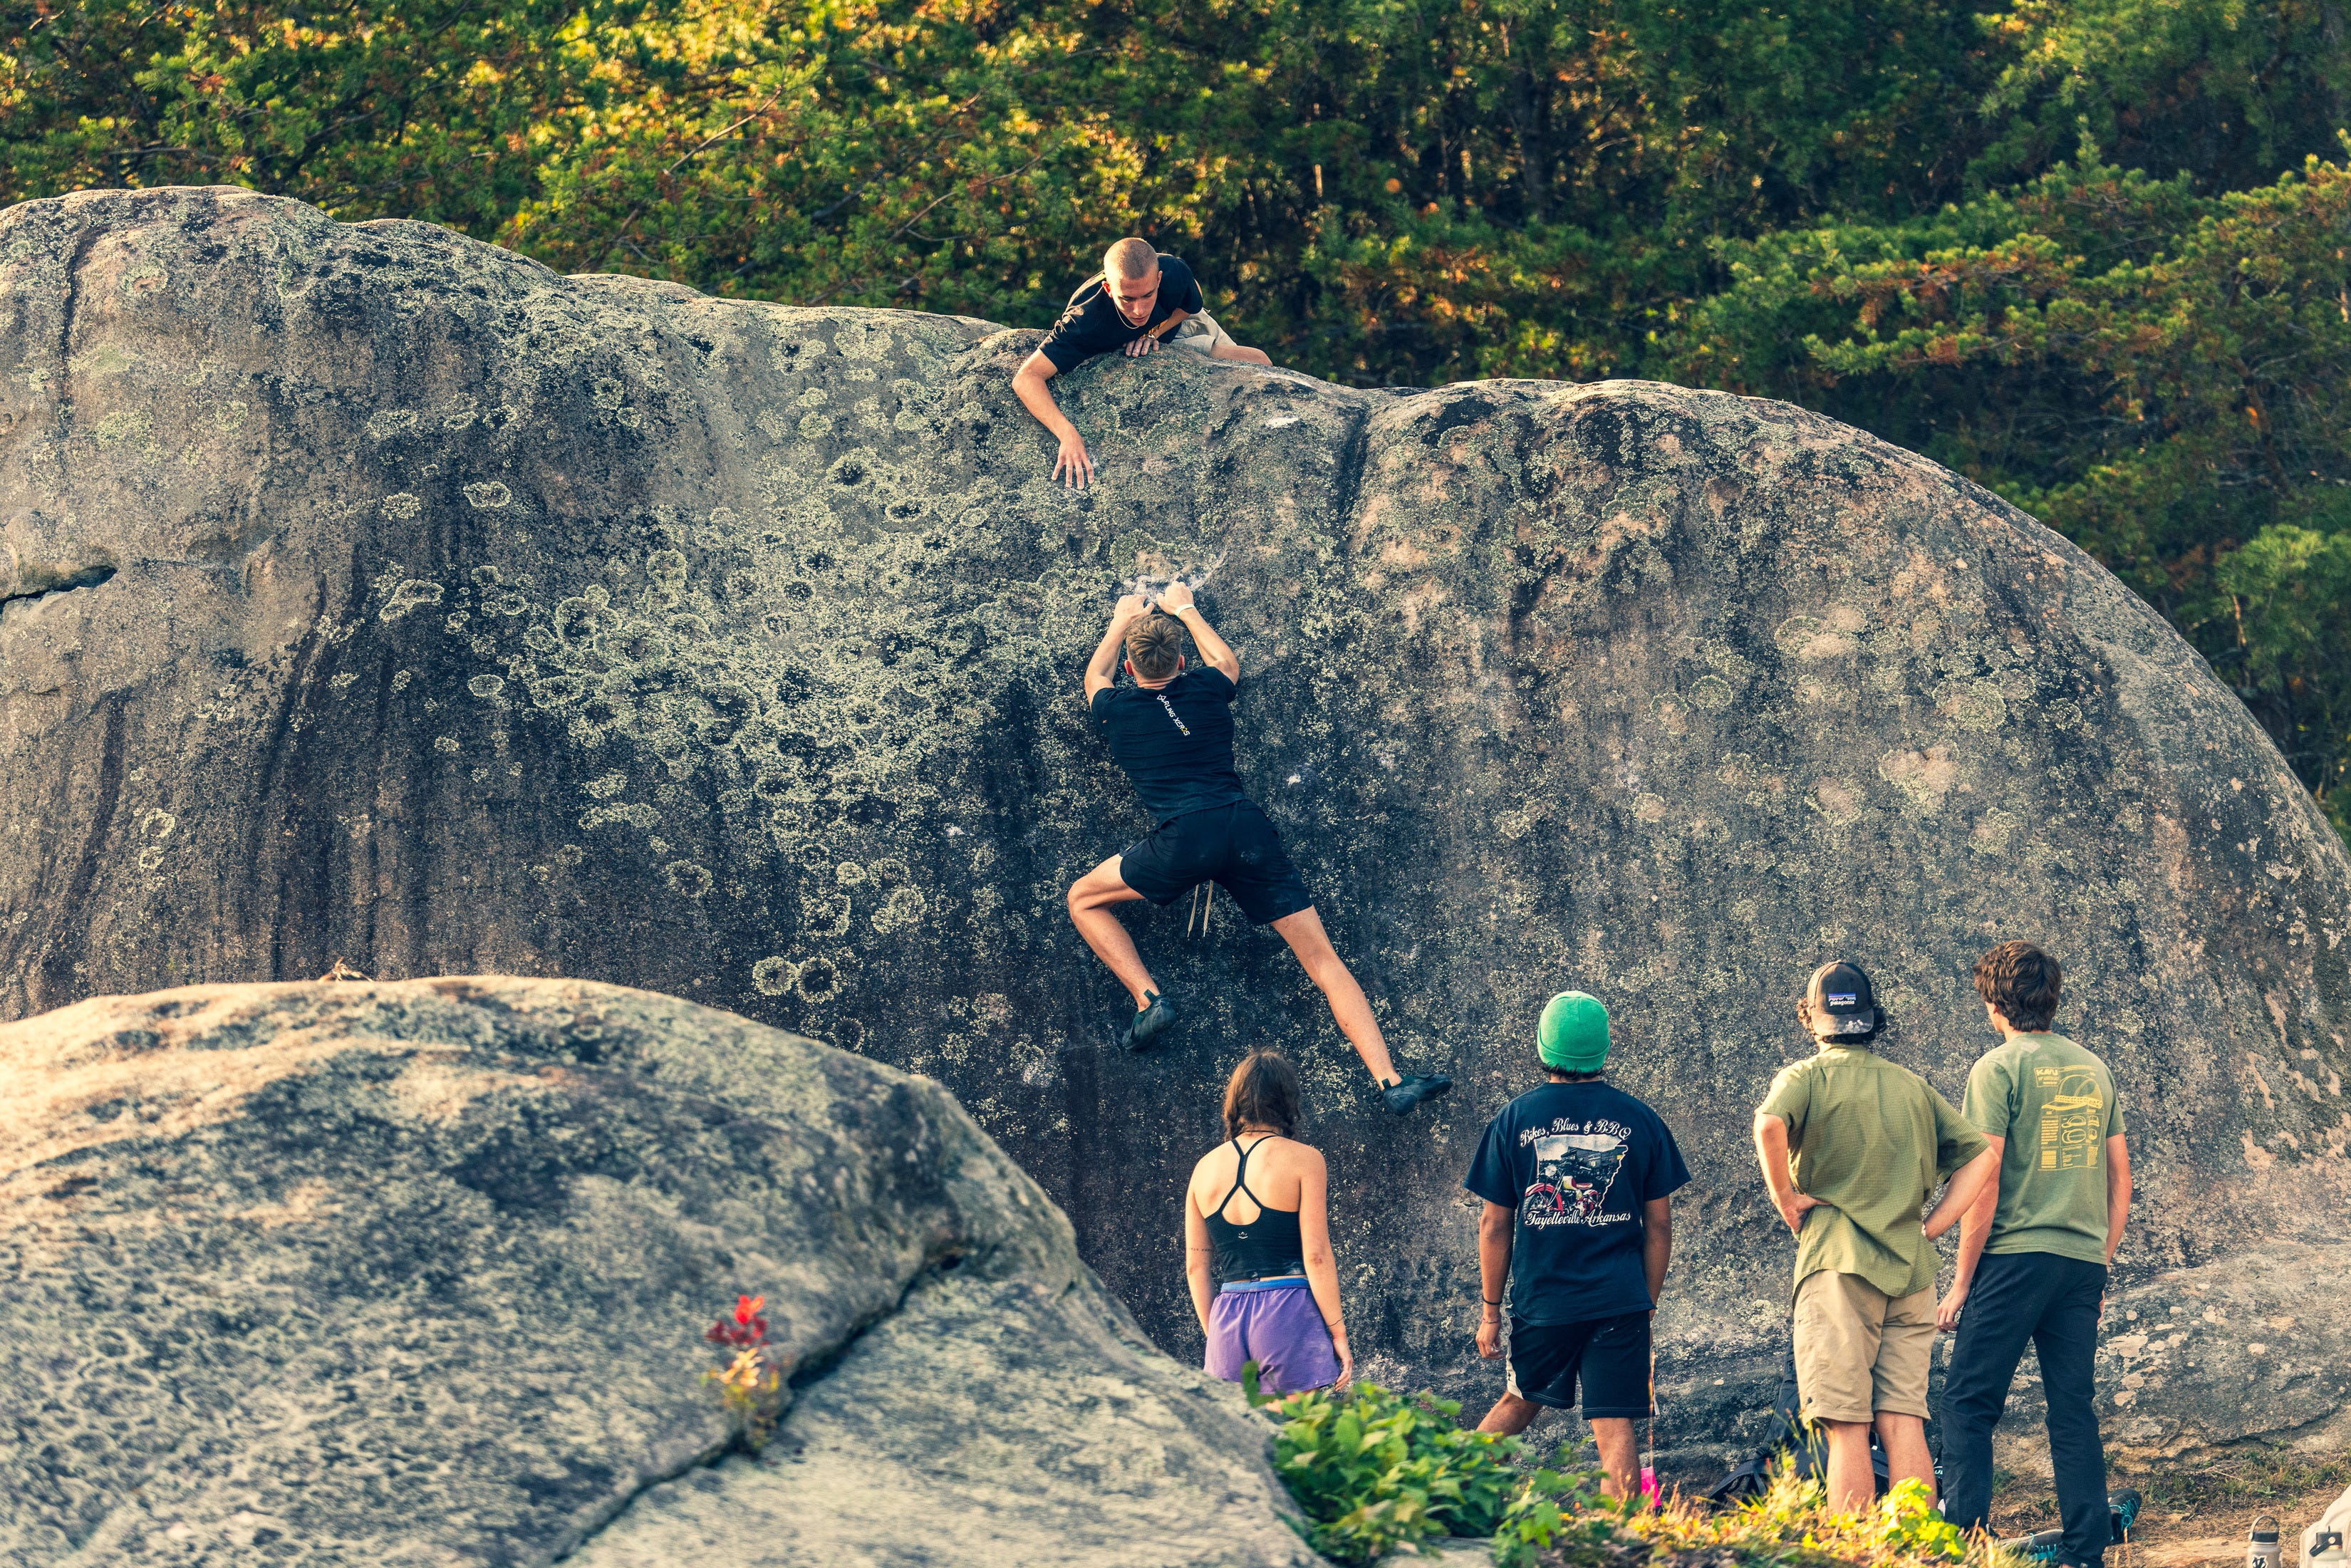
(381, 596)
(416, 1274)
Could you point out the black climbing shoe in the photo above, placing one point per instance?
(1413, 1088)
(1148, 1025)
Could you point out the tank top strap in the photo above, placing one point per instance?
(1240, 1177)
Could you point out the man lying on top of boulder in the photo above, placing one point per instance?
(1141, 299)
(1172, 733)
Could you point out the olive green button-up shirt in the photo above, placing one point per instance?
(1870, 1141)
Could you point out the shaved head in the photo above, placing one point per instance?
(1131, 258)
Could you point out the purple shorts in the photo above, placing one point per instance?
(1275, 1323)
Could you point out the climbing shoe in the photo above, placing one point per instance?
(1413, 1088)
(1139, 1031)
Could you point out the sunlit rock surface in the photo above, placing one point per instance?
(416, 1274)
(380, 595)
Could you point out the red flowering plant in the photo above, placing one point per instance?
(751, 1385)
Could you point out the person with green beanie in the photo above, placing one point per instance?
(1578, 1179)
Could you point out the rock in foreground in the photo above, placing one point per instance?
(380, 595)
(404, 1274)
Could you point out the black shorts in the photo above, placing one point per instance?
(1237, 847)
(1612, 1355)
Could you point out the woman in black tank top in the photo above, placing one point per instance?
(1278, 1301)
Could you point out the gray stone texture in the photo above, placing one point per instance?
(466, 618)
(416, 1274)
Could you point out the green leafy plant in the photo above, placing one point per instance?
(1561, 1513)
(1908, 1521)
(1375, 1471)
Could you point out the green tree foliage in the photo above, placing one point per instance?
(2089, 252)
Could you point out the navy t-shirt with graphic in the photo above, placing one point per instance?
(1175, 743)
(1576, 1161)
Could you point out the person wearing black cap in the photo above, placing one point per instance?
(1852, 1146)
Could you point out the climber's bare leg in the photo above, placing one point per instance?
(1303, 931)
(1091, 897)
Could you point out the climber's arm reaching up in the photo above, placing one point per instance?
(1101, 670)
(1176, 600)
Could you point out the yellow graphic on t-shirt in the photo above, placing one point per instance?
(2071, 1119)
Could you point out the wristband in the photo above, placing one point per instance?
(1490, 1303)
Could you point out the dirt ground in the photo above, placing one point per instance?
(2179, 1526)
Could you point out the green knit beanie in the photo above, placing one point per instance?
(1574, 1033)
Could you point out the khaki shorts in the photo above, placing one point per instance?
(1201, 334)
(1859, 1351)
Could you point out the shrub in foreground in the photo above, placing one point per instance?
(1375, 1472)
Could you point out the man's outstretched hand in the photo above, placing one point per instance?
(1130, 605)
(1142, 346)
(1071, 466)
(1175, 598)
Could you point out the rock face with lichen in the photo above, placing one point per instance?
(416, 1274)
(379, 595)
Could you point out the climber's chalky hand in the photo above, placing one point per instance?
(1175, 598)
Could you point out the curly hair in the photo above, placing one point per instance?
(2022, 983)
(1154, 646)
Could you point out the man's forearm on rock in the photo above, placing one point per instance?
(1038, 399)
(1213, 647)
(1104, 665)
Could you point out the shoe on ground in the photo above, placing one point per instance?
(1411, 1089)
(1156, 1020)
(2041, 1546)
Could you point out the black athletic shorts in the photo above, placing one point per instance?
(1237, 847)
(1610, 1354)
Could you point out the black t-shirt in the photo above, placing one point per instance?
(1576, 1161)
(1175, 743)
(1091, 323)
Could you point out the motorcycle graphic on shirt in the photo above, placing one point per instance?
(1573, 1172)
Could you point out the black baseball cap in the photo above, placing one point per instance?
(1842, 1002)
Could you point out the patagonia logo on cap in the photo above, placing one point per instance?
(1841, 998)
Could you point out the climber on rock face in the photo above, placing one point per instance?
(1172, 731)
(1141, 301)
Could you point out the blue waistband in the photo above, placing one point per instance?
(1287, 1282)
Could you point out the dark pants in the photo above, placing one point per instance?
(2053, 1303)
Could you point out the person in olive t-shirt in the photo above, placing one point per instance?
(1173, 734)
(2033, 1250)
(1578, 1179)
(1140, 299)
(1870, 1140)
